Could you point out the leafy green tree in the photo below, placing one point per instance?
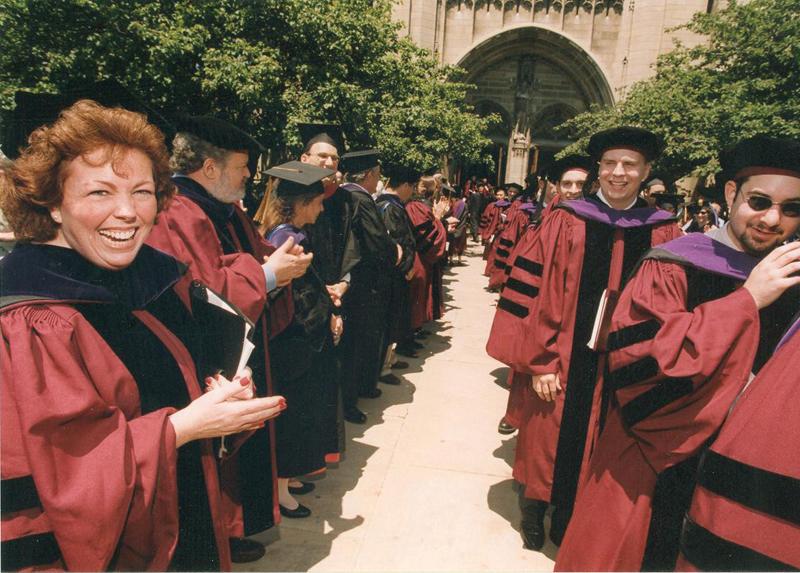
(743, 80)
(264, 64)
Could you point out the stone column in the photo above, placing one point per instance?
(519, 149)
(519, 143)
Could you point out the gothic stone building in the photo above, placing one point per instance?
(537, 63)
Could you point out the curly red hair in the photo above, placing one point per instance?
(33, 185)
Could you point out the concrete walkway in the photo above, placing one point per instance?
(426, 484)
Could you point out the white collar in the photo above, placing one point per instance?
(604, 200)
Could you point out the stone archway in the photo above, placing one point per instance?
(536, 75)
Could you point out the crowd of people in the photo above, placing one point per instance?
(173, 364)
(653, 368)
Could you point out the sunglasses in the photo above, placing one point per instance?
(761, 203)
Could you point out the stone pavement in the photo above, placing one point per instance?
(426, 485)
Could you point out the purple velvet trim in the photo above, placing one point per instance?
(529, 207)
(703, 252)
(458, 208)
(625, 219)
(793, 330)
(502, 203)
(281, 233)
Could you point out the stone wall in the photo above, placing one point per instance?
(538, 62)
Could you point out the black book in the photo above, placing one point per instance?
(226, 333)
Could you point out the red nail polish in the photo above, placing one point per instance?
(244, 381)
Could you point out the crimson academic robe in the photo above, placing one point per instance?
(431, 244)
(490, 218)
(520, 288)
(572, 256)
(684, 339)
(516, 295)
(517, 225)
(745, 514)
(92, 479)
(224, 250)
(457, 240)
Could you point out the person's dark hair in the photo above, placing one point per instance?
(33, 185)
(359, 177)
(189, 152)
(321, 138)
(280, 209)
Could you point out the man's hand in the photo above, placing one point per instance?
(773, 275)
(288, 262)
(399, 254)
(337, 291)
(546, 386)
(337, 328)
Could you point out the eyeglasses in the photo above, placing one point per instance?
(761, 203)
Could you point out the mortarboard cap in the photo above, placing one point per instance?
(34, 110)
(359, 161)
(645, 142)
(218, 132)
(761, 154)
(561, 166)
(399, 174)
(330, 133)
(516, 186)
(298, 178)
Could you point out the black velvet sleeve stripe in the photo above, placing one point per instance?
(512, 307)
(521, 287)
(424, 226)
(709, 552)
(638, 371)
(509, 268)
(30, 551)
(654, 399)
(633, 334)
(424, 247)
(503, 253)
(500, 264)
(528, 265)
(765, 491)
(506, 243)
(17, 494)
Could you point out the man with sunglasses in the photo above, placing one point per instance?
(700, 316)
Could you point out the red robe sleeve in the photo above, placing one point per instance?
(557, 254)
(676, 372)
(429, 233)
(184, 231)
(281, 305)
(489, 219)
(104, 474)
(747, 483)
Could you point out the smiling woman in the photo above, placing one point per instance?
(108, 206)
(107, 458)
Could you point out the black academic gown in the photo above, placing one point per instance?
(401, 230)
(301, 364)
(368, 298)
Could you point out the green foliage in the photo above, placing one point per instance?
(265, 64)
(744, 80)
